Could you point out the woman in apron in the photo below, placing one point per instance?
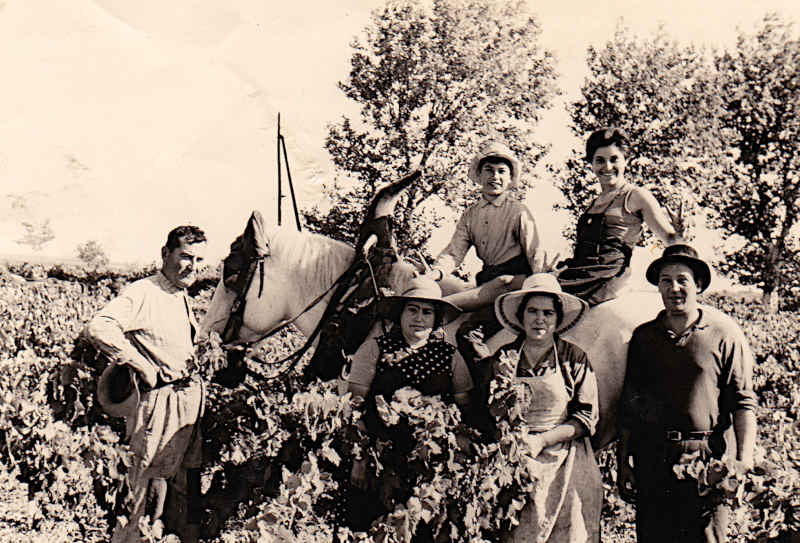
(558, 391)
(612, 225)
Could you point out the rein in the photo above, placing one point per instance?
(236, 315)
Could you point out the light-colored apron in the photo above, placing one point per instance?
(565, 505)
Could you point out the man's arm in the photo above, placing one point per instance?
(744, 425)
(453, 255)
(529, 240)
(106, 331)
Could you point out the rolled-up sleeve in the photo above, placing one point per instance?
(363, 364)
(737, 389)
(584, 405)
(106, 331)
(462, 381)
(453, 255)
(529, 240)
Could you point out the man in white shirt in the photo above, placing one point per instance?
(148, 330)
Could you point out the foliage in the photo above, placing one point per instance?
(759, 201)
(658, 92)
(92, 254)
(276, 461)
(433, 80)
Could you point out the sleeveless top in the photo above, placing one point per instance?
(620, 222)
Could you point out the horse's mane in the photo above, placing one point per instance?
(314, 260)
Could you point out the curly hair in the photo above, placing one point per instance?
(607, 136)
(184, 234)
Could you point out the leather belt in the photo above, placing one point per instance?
(677, 435)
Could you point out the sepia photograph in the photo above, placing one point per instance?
(399, 271)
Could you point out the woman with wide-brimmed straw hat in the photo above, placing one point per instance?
(557, 389)
(412, 354)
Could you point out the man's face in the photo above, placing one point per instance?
(495, 178)
(678, 288)
(181, 264)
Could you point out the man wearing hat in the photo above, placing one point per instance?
(501, 229)
(147, 333)
(688, 380)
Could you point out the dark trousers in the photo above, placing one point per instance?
(669, 510)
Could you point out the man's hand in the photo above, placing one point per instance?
(476, 339)
(626, 483)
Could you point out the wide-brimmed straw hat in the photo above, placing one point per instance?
(118, 390)
(495, 149)
(683, 254)
(506, 305)
(423, 289)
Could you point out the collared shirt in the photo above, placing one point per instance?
(149, 326)
(689, 382)
(499, 230)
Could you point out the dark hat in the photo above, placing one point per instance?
(118, 390)
(419, 288)
(683, 254)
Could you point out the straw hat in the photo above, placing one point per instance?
(118, 390)
(506, 305)
(683, 254)
(495, 149)
(419, 288)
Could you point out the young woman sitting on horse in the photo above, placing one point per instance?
(612, 224)
(413, 354)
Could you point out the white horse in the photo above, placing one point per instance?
(301, 266)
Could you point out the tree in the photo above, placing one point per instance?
(92, 254)
(37, 234)
(660, 93)
(433, 80)
(758, 202)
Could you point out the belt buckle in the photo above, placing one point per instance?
(673, 435)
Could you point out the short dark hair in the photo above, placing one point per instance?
(438, 316)
(495, 160)
(184, 234)
(559, 307)
(607, 136)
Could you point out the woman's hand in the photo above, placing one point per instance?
(535, 443)
(358, 475)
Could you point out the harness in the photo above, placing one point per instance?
(248, 254)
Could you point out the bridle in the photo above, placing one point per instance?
(242, 286)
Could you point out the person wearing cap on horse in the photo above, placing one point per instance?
(147, 333)
(504, 235)
(611, 226)
(413, 354)
(689, 379)
(557, 396)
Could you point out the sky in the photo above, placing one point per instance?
(120, 120)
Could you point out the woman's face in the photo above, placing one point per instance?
(608, 164)
(416, 320)
(539, 319)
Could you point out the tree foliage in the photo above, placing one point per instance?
(658, 92)
(92, 254)
(759, 200)
(432, 81)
